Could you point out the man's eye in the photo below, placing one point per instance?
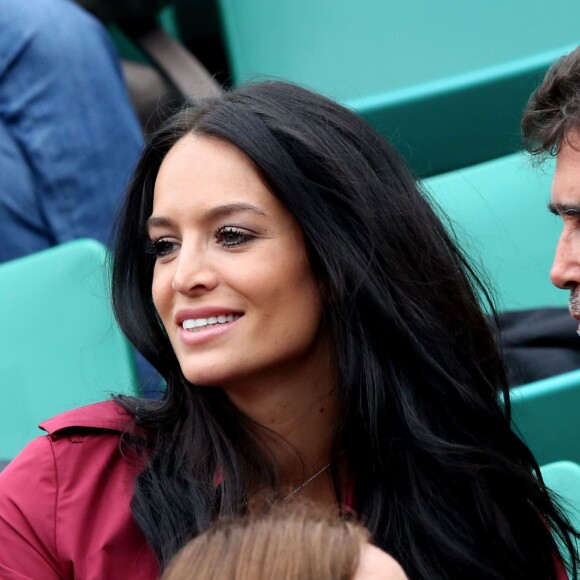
(230, 236)
(161, 248)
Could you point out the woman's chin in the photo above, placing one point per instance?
(207, 377)
(203, 380)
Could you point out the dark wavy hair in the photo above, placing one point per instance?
(441, 481)
(553, 108)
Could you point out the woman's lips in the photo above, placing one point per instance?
(196, 324)
(204, 312)
(199, 330)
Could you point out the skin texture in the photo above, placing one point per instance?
(565, 202)
(274, 362)
(374, 564)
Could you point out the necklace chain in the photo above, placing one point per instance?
(311, 478)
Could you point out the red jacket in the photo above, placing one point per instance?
(64, 503)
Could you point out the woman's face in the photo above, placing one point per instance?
(232, 283)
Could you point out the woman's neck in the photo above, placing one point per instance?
(299, 413)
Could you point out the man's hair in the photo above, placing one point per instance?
(289, 541)
(554, 107)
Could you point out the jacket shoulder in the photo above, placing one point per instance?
(107, 415)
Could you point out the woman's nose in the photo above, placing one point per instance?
(194, 273)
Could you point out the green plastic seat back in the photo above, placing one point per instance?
(446, 81)
(500, 218)
(563, 478)
(546, 414)
(60, 346)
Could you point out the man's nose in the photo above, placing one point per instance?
(565, 271)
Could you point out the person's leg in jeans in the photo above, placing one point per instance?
(23, 228)
(65, 108)
(69, 137)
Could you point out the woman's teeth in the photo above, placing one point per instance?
(193, 324)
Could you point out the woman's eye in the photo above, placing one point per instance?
(161, 248)
(230, 237)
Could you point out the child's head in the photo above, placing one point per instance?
(286, 542)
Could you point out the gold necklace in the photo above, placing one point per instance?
(311, 478)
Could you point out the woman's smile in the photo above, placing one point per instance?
(204, 324)
(198, 324)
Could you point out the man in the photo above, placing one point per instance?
(551, 126)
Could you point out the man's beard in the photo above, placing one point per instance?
(574, 305)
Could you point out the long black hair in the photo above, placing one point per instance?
(440, 479)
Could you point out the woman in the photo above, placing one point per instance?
(296, 541)
(320, 336)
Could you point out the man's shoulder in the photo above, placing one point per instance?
(106, 415)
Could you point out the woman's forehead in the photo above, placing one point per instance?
(204, 179)
(205, 169)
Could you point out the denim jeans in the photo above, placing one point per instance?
(69, 137)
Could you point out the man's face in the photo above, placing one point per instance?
(565, 203)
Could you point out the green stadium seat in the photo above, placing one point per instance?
(546, 414)
(60, 345)
(445, 81)
(498, 213)
(498, 210)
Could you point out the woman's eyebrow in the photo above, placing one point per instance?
(221, 211)
(159, 221)
(213, 213)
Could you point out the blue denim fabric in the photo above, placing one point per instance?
(69, 137)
